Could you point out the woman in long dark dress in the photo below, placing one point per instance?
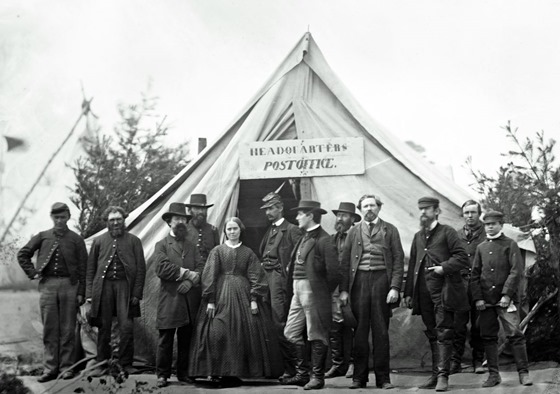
(234, 336)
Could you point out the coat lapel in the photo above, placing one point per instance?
(176, 246)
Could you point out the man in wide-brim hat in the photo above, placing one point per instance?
(314, 272)
(178, 266)
(204, 235)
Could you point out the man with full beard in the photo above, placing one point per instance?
(341, 336)
(114, 285)
(275, 251)
(372, 271)
(199, 231)
(178, 266)
(434, 288)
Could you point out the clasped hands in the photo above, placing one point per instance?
(211, 309)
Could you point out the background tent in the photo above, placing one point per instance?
(302, 100)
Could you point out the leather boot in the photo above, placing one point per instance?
(302, 368)
(522, 362)
(350, 371)
(445, 350)
(432, 381)
(318, 358)
(494, 378)
(288, 350)
(338, 367)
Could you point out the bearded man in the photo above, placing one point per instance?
(114, 285)
(204, 235)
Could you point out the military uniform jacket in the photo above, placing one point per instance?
(442, 247)
(131, 254)
(393, 255)
(205, 239)
(288, 236)
(471, 244)
(321, 268)
(497, 270)
(73, 250)
(175, 309)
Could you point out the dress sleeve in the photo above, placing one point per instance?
(256, 276)
(210, 276)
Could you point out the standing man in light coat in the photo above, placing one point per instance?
(114, 285)
(373, 267)
(178, 266)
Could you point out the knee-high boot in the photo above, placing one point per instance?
(318, 358)
(302, 368)
(522, 362)
(445, 350)
(491, 350)
(338, 363)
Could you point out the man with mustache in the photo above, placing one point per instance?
(341, 335)
(114, 285)
(275, 250)
(471, 235)
(434, 287)
(372, 272)
(61, 268)
(199, 231)
(178, 266)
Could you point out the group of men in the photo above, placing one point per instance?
(325, 291)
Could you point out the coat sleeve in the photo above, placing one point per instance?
(459, 259)
(138, 288)
(198, 262)
(26, 253)
(82, 258)
(91, 267)
(165, 270)
(256, 276)
(398, 260)
(345, 262)
(511, 284)
(210, 276)
(216, 235)
(409, 283)
(330, 256)
(476, 289)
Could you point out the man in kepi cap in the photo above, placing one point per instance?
(275, 251)
(434, 288)
(179, 266)
(341, 333)
(372, 272)
(315, 274)
(204, 235)
(496, 272)
(61, 266)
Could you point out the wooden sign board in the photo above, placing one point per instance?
(301, 158)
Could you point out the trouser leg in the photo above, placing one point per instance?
(105, 313)
(165, 353)
(48, 302)
(361, 308)
(68, 306)
(184, 335)
(380, 317)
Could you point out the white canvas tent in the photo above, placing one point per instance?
(302, 100)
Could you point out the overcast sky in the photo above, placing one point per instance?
(445, 74)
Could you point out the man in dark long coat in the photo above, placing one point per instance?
(275, 250)
(114, 285)
(315, 273)
(61, 268)
(434, 288)
(373, 268)
(179, 266)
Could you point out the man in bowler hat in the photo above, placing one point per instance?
(341, 334)
(275, 251)
(434, 288)
(61, 268)
(315, 274)
(372, 273)
(179, 266)
(204, 235)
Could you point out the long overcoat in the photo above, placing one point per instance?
(440, 247)
(393, 255)
(174, 309)
(321, 268)
(288, 235)
(103, 249)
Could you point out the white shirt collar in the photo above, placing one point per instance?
(494, 236)
(374, 221)
(278, 222)
(172, 233)
(313, 228)
(433, 225)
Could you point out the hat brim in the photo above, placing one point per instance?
(168, 215)
(198, 205)
(427, 205)
(270, 204)
(320, 210)
(357, 217)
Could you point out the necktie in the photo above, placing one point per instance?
(370, 224)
